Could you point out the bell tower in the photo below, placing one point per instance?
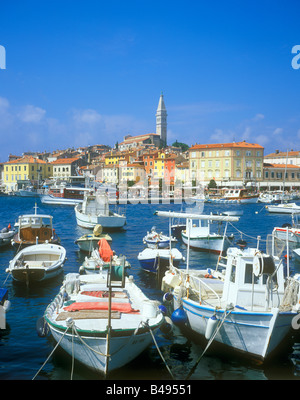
(161, 121)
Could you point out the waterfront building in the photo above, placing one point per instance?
(63, 168)
(282, 157)
(24, 171)
(280, 176)
(229, 164)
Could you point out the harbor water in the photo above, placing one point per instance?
(23, 352)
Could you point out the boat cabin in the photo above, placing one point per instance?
(253, 279)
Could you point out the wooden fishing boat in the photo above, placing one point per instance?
(103, 320)
(35, 229)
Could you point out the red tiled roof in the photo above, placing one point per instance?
(268, 165)
(26, 160)
(65, 160)
(227, 145)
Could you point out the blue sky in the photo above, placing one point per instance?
(90, 72)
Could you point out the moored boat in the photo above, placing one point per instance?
(33, 229)
(6, 235)
(239, 196)
(102, 323)
(94, 210)
(90, 241)
(202, 238)
(156, 240)
(37, 263)
(251, 310)
(284, 208)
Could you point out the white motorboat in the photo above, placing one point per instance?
(274, 197)
(37, 263)
(95, 211)
(90, 241)
(156, 240)
(6, 235)
(289, 232)
(202, 238)
(103, 320)
(158, 260)
(284, 208)
(251, 310)
(51, 199)
(33, 229)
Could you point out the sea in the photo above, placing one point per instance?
(25, 356)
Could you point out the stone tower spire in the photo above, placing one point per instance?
(161, 120)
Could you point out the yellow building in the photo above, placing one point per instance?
(26, 169)
(229, 164)
(159, 166)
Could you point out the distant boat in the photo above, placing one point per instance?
(30, 191)
(274, 197)
(6, 235)
(95, 211)
(239, 196)
(284, 208)
(37, 263)
(33, 229)
(156, 240)
(50, 199)
(65, 195)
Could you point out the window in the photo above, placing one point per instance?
(202, 154)
(258, 153)
(193, 155)
(267, 174)
(248, 153)
(238, 153)
(272, 174)
(217, 163)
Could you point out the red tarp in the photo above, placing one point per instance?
(104, 250)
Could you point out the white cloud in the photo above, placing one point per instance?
(90, 117)
(32, 114)
(277, 131)
(258, 117)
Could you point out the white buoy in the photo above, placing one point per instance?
(211, 326)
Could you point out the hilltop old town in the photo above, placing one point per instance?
(147, 160)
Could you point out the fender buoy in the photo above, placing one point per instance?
(211, 327)
(179, 317)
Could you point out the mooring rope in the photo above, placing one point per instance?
(208, 344)
(159, 352)
(57, 344)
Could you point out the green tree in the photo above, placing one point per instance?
(212, 184)
(183, 146)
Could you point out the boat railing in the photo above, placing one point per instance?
(196, 285)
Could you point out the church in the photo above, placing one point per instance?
(158, 139)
